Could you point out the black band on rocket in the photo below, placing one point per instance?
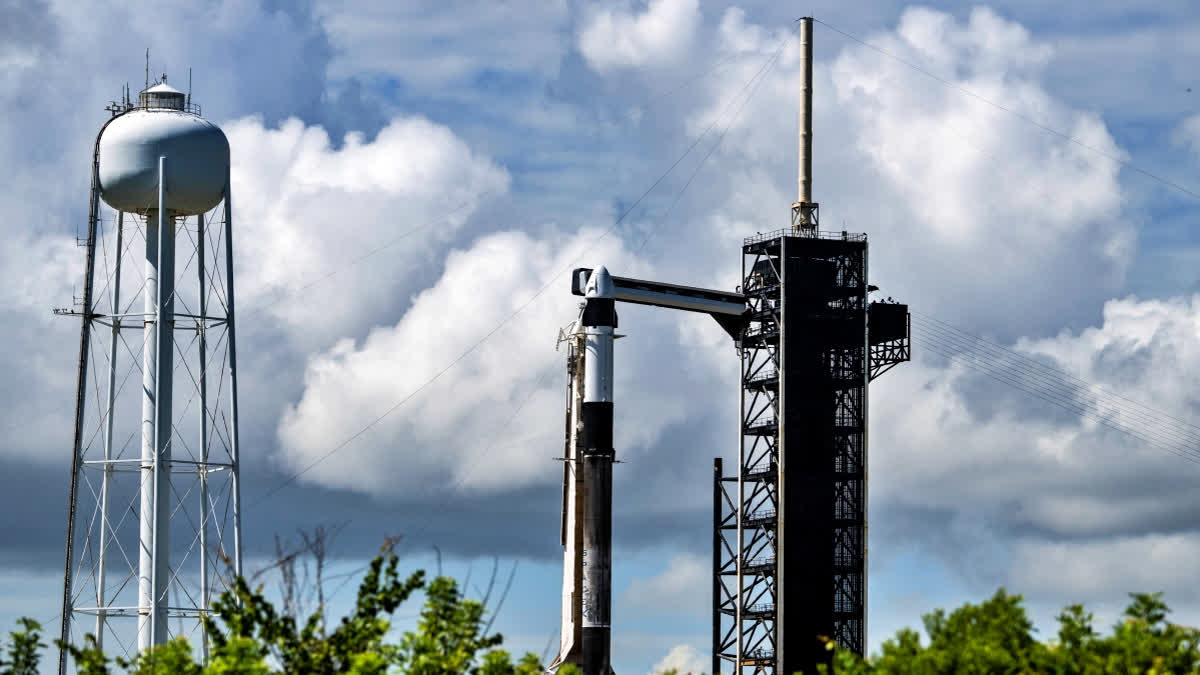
(597, 428)
(600, 312)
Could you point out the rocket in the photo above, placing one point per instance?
(587, 487)
(599, 320)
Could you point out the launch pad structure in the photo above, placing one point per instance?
(790, 524)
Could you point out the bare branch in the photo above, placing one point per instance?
(503, 596)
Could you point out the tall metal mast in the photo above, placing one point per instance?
(804, 211)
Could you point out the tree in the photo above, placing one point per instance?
(22, 656)
(248, 633)
(250, 637)
(996, 636)
(449, 634)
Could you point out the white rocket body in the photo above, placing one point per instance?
(572, 517)
(587, 490)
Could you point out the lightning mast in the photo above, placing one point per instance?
(790, 526)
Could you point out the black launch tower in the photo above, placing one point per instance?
(798, 514)
(790, 525)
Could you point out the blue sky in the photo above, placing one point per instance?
(512, 136)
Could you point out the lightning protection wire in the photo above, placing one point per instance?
(758, 79)
(1021, 116)
(292, 478)
(720, 63)
(1080, 405)
(982, 362)
(1088, 400)
(1040, 374)
(951, 354)
(1069, 380)
(975, 361)
(469, 471)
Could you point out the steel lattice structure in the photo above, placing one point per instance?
(203, 535)
(789, 531)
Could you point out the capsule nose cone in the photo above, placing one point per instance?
(600, 284)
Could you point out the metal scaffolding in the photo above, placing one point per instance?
(789, 530)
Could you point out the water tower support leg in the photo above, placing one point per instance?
(201, 328)
(235, 447)
(158, 360)
(106, 476)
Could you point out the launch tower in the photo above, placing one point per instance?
(790, 526)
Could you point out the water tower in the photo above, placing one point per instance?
(154, 525)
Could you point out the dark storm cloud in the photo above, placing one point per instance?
(33, 515)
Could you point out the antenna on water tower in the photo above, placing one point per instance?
(126, 577)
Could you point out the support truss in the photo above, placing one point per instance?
(102, 562)
(789, 537)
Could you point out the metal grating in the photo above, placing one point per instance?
(790, 526)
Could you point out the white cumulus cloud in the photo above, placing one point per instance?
(456, 431)
(619, 38)
(305, 210)
(1038, 484)
(673, 590)
(684, 659)
(1188, 133)
(969, 208)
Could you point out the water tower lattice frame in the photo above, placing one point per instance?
(100, 591)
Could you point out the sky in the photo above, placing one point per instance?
(1025, 172)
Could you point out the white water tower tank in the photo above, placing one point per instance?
(197, 155)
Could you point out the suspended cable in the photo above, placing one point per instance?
(1048, 129)
(1050, 368)
(980, 362)
(758, 79)
(487, 336)
(1159, 432)
(949, 354)
(1166, 429)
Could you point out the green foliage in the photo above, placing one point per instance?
(351, 647)
(448, 635)
(22, 656)
(996, 636)
(173, 657)
(246, 633)
(529, 664)
(499, 662)
(238, 656)
(89, 659)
